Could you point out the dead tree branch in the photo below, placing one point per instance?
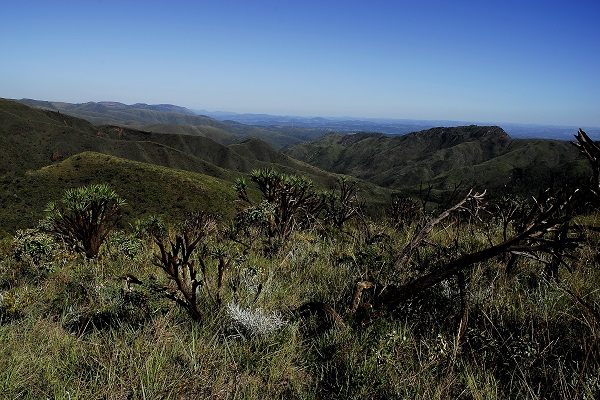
(175, 259)
(544, 230)
(408, 250)
(591, 151)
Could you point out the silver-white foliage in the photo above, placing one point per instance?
(248, 322)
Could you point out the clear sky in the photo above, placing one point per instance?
(485, 61)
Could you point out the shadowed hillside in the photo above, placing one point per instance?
(34, 140)
(480, 156)
(166, 118)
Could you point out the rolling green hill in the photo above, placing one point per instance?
(166, 118)
(480, 156)
(32, 138)
(147, 189)
(43, 152)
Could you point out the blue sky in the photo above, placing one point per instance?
(482, 61)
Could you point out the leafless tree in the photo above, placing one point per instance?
(175, 259)
(544, 233)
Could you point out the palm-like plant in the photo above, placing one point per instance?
(291, 199)
(85, 216)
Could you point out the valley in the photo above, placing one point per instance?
(149, 252)
(437, 160)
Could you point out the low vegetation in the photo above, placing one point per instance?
(302, 296)
(84, 217)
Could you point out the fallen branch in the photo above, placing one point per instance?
(360, 287)
(550, 215)
(408, 250)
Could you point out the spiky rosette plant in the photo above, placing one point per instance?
(290, 201)
(85, 216)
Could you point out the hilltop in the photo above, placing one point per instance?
(481, 156)
(34, 140)
(147, 188)
(168, 118)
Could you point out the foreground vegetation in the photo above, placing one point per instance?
(301, 296)
(72, 329)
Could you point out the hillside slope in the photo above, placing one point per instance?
(35, 141)
(480, 156)
(31, 138)
(147, 189)
(158, 118)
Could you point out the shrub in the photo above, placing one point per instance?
(106, 304)
(14, 303)
(85, 216)
(127, 245)
(183, 260)
(150, 227)
(34, 248)
(291, 201)
(342, 205)
(249, 322)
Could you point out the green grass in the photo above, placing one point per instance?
(147, 189)
(74, 332)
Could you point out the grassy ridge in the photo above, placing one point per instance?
(147, 189)
(158, 119)
(29, 138)
(484, 157)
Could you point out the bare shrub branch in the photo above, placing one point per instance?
(175, 259)
(408, 250)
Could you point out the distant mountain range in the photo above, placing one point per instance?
(278, 131)
(169, 162)
(167, 118)
(104, 106)
(396, 126)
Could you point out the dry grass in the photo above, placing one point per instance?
(526, 337)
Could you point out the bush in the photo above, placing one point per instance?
(33, 246)
(85, 216)
(247, 322)
(289, 201)
(127, 245)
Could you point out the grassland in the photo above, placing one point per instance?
(73, 328)
(70, 328)
(149, 189)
